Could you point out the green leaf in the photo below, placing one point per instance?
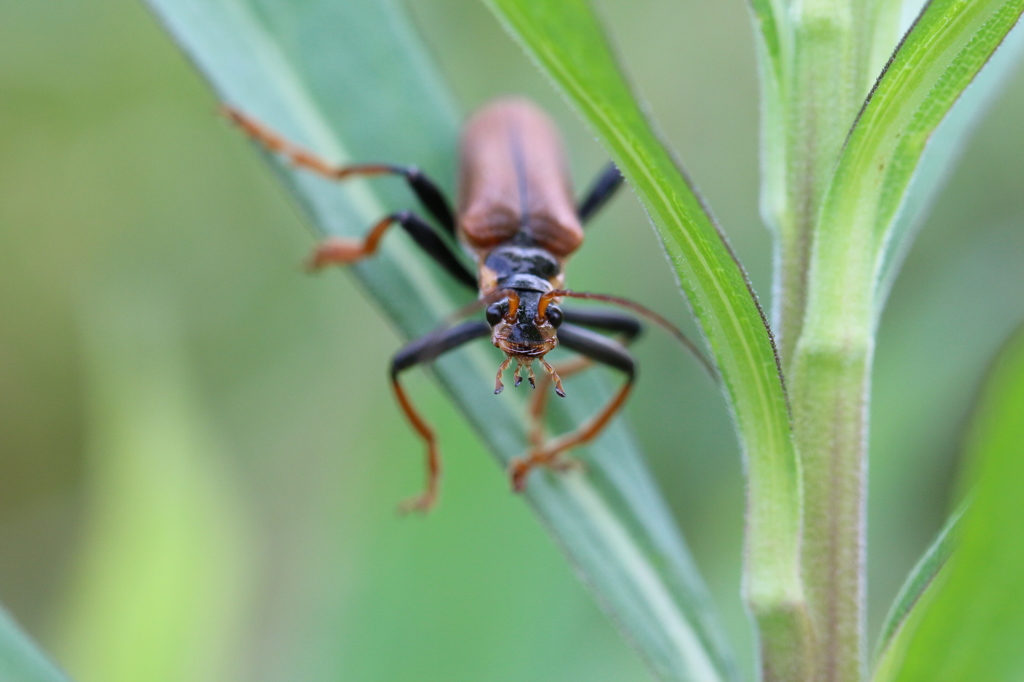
(568, 44)
(942, 152)
(939, 57)
(920, 579)
(164, 576)
(968, 625)
(350, 80)
(21, 660)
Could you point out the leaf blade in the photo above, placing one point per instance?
(21, 660)
(920, 578)
(968, 625)
(303, 70)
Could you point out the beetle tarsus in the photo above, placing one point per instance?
(519, 469)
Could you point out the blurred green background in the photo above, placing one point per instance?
(199, 455)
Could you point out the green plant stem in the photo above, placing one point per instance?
(809, 106)
(830, 410)
(818, 60)
(831, 365)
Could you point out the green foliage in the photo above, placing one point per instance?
(853, 235)
(834, 224)
(920, 579)
(20, 658)
(162, 586)
(306, 72)
(351, 80)
(967, 625)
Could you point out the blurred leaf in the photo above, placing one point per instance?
(568, 44)
(350, 80)
(161, 586)
(968, 625)
(21, 660)
(920, 579)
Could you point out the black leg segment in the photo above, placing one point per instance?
(430, 347)
(600, 192)
(429, 195)
(596, 347)
(606, 320)
(436, 247)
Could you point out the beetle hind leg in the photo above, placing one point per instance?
(552, 454)
(593, 347)
(519, 468)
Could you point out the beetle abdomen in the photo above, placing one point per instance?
(513, 180)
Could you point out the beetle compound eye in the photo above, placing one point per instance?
(554, 316)
(494, 314)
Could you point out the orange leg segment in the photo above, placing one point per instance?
(550, 455)
(297, 155)
(424, 502)
(342, 251)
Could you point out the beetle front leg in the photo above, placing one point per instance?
(427, 349)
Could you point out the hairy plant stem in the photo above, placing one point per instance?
(816, 72)
(830, 413)
(823, 90)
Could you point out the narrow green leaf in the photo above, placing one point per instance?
(968, 625)
(568, 43)
(21, 659)
(942, 152)
(920, 579)
(350, 80)
(939, 57)
(771, 22)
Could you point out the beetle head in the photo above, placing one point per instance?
(524, 326)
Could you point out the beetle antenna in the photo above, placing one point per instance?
(640, 310)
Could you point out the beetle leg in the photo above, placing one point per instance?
(597, 348)
(425, 189)
(606, 320)
(603, 189)
(539, 403)
(427, 349)
(344, 251)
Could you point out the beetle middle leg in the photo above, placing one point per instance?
(600, 349)
(629, 329)
(539, 401)
(344, 251)
(426, 349)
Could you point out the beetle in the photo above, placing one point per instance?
(516, 216)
